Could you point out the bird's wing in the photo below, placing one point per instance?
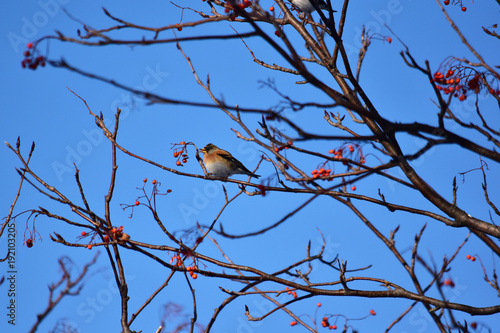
(232, 160)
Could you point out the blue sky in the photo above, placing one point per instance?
(37, 106)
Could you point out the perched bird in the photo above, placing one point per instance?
(305, 6)
(221, 163)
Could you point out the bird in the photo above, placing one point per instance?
(221, 163)
(306, 6)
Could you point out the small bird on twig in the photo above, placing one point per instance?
(221, 163)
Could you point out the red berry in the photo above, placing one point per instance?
(464, 8)
(271, 8)
(446, 2)
(389, 40)
(137, 203)
(29, 45)
(449, 283)
(84, 234)
(26, 53)
(29, 243)
(372, 312)
(178, 163)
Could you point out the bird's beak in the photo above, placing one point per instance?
(203, 150)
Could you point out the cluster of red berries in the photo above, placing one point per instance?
(280, 148)
(31, 60)
(325, 323)
(289, 292)
(181, 154)
(338, 154)
(229, 8)
(452, 83)
(191, 270)
(178, 259)
(448, 283)
(448, 83)
(322, 172)
(447, 2)
(471, 258)
(113, 234)
(116, 234)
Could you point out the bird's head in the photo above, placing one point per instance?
(208, 148)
